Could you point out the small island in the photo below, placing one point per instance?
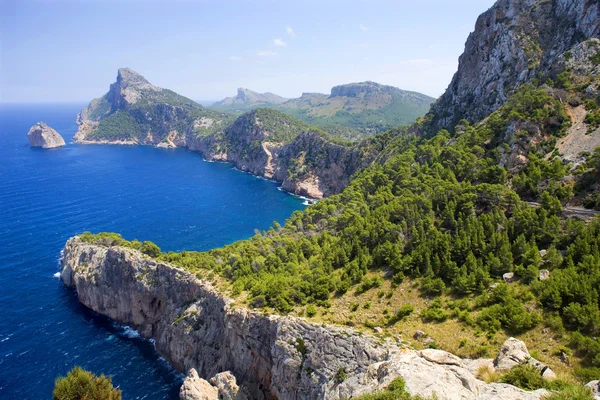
(41, 135)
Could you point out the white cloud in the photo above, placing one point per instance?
(279, 43)
(363, 28)
(266, 53)
(290, 31)
(235, 58)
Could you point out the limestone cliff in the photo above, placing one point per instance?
(264, 142)
(513, 42)
(194, 326)
(41, 135)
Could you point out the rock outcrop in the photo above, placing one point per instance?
(513, 42)
(272, 356)
(41, 135)
(514, 352)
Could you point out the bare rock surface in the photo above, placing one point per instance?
(41, 135)
(196, 388)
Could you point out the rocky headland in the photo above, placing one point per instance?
(249, 354)
(41, 135)
(264, 142)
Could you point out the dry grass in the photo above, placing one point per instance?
(451, 335)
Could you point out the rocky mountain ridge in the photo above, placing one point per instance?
(247, 98)
(366, 107)
(195, 326)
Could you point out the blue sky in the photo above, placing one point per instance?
(69, 50)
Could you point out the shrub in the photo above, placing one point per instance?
(341, 375)
(524, 376)
(150, 249)
(80, 384)
(311, 311)
(572, 392)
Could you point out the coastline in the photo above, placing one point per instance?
(195, 327)
(308, 200)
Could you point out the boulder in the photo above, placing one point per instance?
(226, 385)
(508, 277)
(543, 253)
(441, 357)
(544, 274)
(512, 353)
(41, 135)
(595, 388)
(418, 335)
(378, 329)
(196, 388)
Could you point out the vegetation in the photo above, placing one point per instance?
(80, 384)
(443, 212)
(396, 390)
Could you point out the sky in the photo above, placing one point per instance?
(70, 50)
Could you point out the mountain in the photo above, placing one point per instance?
(265, 142)
(246, 100)
(457, 234)
(350, 111)
(514, 42)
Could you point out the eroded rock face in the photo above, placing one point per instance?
(194, 326)
(512, 43)
(41, 135)
(196, 388)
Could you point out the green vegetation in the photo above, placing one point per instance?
(114, 239)
(396, 390)
(442, 212)
(80, 384)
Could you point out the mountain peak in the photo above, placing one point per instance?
(128, 77)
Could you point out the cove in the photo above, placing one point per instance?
(169, 196)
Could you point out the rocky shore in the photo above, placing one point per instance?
(205, 334)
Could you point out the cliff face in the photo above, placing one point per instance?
(262, 142)
(41, 135)
(513, 42)
(194, 326)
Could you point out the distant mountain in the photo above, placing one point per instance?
(247, 99)
(350, 110)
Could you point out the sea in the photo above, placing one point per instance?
(169, 196)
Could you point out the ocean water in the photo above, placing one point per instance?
(169, 196)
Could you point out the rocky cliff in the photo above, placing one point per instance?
(263, 142)
(271, 356)
(513, 42)
(41, 135)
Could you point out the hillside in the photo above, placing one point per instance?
(456, 235)
(265, 142)
(350, 111)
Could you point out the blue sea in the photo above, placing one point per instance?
(169, 196)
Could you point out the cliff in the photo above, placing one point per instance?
(41, 135)
(194, 326)
(513, 42)
(263, 142)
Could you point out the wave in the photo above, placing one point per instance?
(56, 275)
